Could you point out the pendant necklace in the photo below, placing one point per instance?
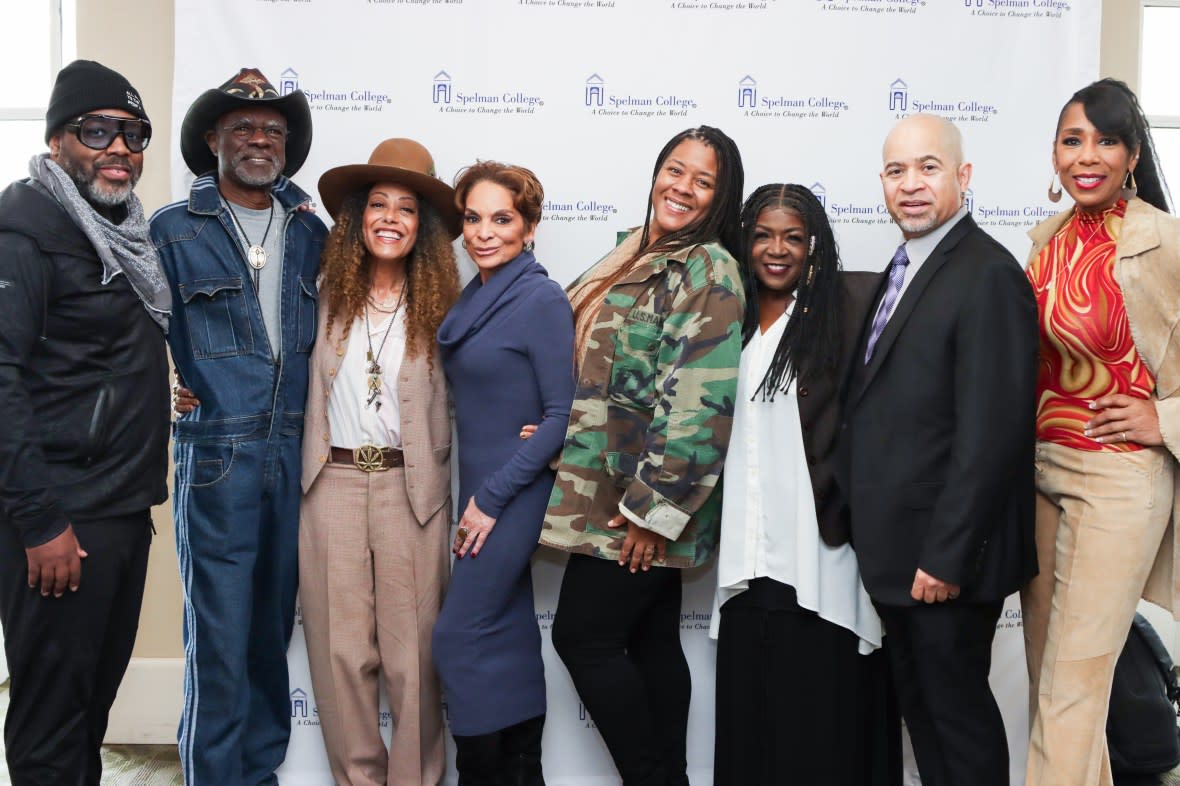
(255, 252)
(372, 367)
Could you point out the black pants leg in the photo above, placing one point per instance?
(941, 658)
(618, 634)
(67, 655)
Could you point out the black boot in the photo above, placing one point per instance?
(477, 758)
(520, 753)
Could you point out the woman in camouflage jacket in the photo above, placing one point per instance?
(658, 341)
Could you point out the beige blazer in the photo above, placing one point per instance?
(1147, 270)
(425, 421)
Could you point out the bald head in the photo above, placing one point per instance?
(928, 127)
(924, 176)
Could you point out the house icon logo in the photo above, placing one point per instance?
(442, 88)
(747, 92)
(594, 88)
(288, 82)
(298, 703)
(899, 96)
(821, 194)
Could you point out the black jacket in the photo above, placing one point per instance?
(83, 378)
(939, 428)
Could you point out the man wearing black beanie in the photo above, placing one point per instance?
(84, 310)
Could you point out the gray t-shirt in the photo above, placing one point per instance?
(268, 281)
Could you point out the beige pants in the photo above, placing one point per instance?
(1101, 518)
(370, 584)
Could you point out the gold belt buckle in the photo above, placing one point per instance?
(369, 458)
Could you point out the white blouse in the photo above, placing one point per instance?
(351, 422)
(768, 522)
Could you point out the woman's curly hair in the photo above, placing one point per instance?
(432, 278)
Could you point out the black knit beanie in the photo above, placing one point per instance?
(86, 85)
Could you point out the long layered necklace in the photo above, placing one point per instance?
(372, 367)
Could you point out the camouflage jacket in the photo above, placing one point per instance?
(652, 410)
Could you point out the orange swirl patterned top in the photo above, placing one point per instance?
(1086, 349)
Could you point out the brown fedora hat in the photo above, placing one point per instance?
(398, 160)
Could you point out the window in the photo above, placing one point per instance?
(37, 37)
(1159, 62)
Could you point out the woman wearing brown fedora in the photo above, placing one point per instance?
(376, 466)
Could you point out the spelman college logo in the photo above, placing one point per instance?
(863, 213)
(994, 215)
(1020, 9)
(602, 102)
(958, 110)
(303, 710)
(798, 107)
(335, 99)
(507, 102)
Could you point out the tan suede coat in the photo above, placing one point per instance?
(1148, 273)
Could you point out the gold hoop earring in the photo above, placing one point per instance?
(1054, 194)
(1130, 188)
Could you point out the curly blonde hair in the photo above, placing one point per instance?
(432, 278)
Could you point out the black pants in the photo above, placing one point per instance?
(941, 658)
(67, 655)
(618, 633)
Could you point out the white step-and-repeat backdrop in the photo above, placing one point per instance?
(585, 92)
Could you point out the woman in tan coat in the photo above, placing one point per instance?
(375, 519)
(1107, 279)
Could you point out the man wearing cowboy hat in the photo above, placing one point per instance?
(84, 308)
(241, 258)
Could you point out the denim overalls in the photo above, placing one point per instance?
(236, 495)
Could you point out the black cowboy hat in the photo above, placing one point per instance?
(248, 88)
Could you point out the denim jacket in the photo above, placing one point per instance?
(218, 339)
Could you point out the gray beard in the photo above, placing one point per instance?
(92, 193)
(258, 181)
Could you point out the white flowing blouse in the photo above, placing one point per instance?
(351, 422)
(768, 520)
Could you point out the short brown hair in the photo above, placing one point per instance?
(526, 190)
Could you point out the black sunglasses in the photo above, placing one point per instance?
(98, 132)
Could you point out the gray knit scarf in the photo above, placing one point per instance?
(123, 248)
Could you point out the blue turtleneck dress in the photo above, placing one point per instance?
(507, 349)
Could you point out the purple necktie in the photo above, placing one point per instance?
(896, 279)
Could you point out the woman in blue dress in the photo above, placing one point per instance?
(507, 349)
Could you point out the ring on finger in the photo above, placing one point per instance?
(1124, 436)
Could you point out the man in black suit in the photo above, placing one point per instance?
(937, 447)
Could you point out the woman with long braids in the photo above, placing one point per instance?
(1106, 274)
(376, 511)
(658, 325)
(802, 685)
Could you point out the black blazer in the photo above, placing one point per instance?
(937, 443)
(819, 408)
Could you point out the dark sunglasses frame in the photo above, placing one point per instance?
(120, 128)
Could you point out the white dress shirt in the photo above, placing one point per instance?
(768, 520)
(351, 421)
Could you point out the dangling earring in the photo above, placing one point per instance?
(1054, 194)
(1130, 189)
(811, 246)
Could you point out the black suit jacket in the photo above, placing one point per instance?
(937, 443)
